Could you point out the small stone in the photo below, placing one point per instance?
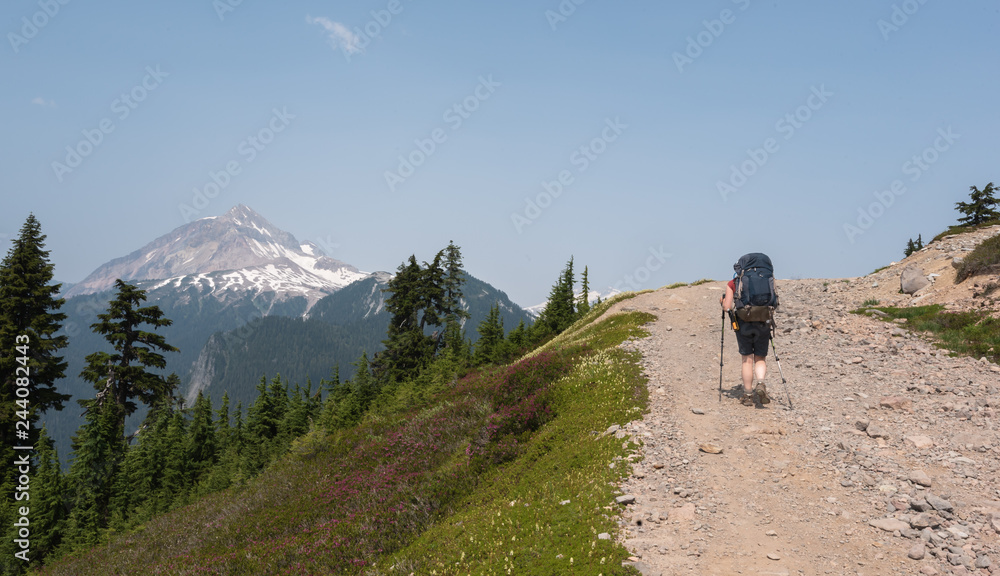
(627, 499)
(770, 533)
(710, 448)
(924, 520)
(698, 411)
(929, 570)
(564, 502)
(889, 524)
(856, 360)
(995, 522)
(862, 424)
(876, 431)
(773, 556)
(959, 532)
(983, 562)
(920, 442)
(917, 552)
(846, 483)
(920, 478)
(897, 403)
(604, 536)
(939, 503)
(920, 505)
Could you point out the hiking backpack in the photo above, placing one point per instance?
(754, 297)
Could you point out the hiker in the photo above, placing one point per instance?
(750, 301)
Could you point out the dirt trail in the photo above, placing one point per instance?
(794, 491)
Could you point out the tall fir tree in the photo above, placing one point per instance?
(201, 442)
(490, 346)
(49, 504)
(29, 306)
(123, 377)
(29, 350)
(407, 348)
(583, 302)
(558, 313)
(98, 451)
(980, 209)
(456, 315)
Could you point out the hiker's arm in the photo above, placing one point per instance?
(727, 300)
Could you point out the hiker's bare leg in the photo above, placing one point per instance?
(759, 367)
(747, 372)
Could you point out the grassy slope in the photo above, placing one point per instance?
(396, 494)
(971, 333)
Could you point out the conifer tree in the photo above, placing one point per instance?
(456, 314)
(29, 307)
(910, 247)
(223, 430)
(980, 208)
(98, 450)
(558, 313)
(433, 291)
(48, 497)
(48, 510)
(122, 377)
(489, 347)
(407, 348)
(518, 337)
(176, 471)
(583, 302)
(29, 321)
(201, 440)
(362, 392)
(920, 242)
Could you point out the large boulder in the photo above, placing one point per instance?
(912, 279)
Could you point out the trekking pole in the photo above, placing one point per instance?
(783, 382)
(722, 348)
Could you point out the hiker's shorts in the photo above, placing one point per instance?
(752, 338)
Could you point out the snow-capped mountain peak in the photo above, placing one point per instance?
(237, 251)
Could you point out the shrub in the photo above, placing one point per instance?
(982, 260)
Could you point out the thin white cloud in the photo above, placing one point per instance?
(338, 34)
(39, 101)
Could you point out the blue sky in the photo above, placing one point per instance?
(684, 136)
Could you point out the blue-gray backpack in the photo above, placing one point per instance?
(754, 296)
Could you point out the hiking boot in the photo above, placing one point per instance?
(761, 392)
(747, 399)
